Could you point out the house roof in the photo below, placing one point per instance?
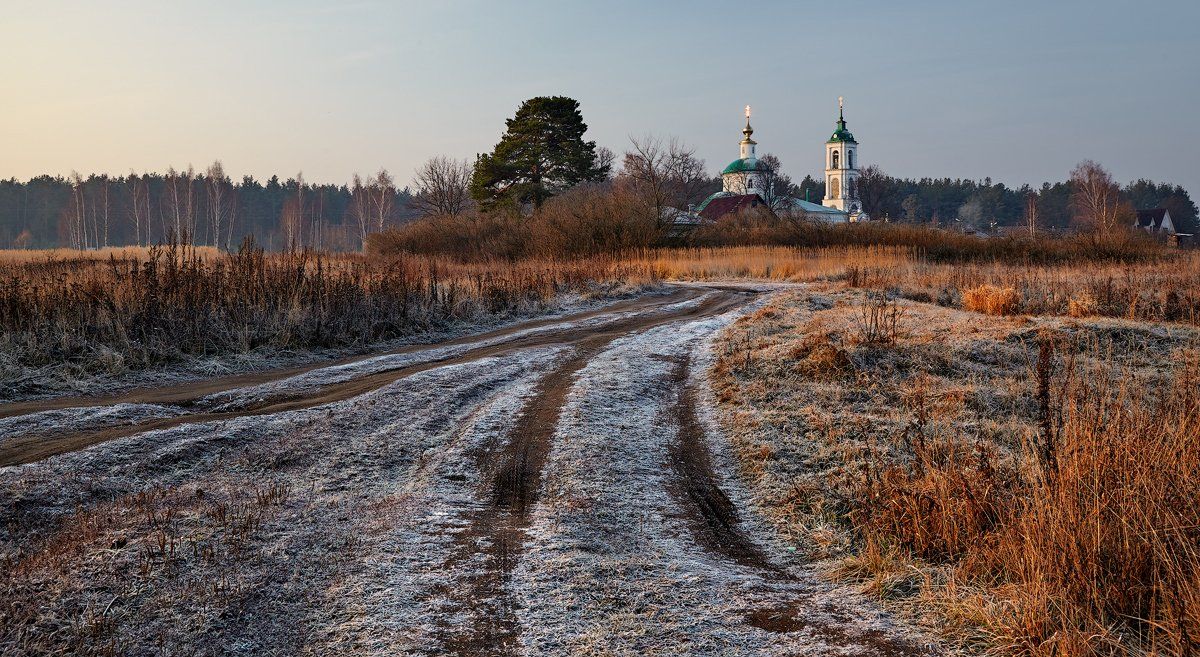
(814, 208)
(1151, 218)
(719, 206)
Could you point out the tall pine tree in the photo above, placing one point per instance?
(542, 153)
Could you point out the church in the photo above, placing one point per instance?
(749, 182)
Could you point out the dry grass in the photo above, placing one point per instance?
(991, 300)
(125, 253)
(773, 263)
(1034, 483)
(86, 316)
(1167, 290)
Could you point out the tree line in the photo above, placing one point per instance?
(541, 154)
(203, 208)
(985, 204)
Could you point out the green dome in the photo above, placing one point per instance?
(742, 166)
(841, 134)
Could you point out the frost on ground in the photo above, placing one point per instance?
(611, 566)
(815, 412)
(286, 533)
(19, 381)
(315, 379)
(367, 526)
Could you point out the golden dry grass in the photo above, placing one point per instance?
(80, 317)
(1031, 483)
(991, 300)
(133, 253)
(773, 263)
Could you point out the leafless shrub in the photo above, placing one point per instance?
(878, 320)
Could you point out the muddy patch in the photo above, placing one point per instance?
(711, 515)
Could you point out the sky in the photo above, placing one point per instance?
(1016, 91)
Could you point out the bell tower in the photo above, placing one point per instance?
(841, 169)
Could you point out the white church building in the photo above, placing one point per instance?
(748, 176)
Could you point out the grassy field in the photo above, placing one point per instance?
(1005, 449)
(66, 315)
(1026, 484)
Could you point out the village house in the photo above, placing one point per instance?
(1156, 222)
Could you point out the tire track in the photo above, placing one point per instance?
(36, 446)
(716, 527)
(498, 530)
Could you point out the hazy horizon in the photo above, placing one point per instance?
(1018, 92)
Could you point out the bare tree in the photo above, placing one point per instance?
(383, 197)
(172, 198)
(189, 215)
(778, 187)
(77, 231)
(360, 207)
(133, 192)
(219, 194)
(233, 214)
(665, 174)
(1095, 198)
(873, 189)
(443, 186)
(1031, 213)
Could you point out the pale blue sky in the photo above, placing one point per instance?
(1019, 91)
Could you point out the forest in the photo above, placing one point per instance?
(208, 208)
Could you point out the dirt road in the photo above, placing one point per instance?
(555, 488)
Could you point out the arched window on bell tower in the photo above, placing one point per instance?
(835, 160)
(849, 159)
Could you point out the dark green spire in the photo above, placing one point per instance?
(841, 134)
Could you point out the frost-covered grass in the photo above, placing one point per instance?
(934, 469)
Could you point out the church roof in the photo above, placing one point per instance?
(743, 165)
(841, 134)
(715, 207)
(813, 208)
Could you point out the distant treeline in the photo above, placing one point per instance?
(207, 208)
(202, 208)
(978, 204)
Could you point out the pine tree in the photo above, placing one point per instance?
(541, 154)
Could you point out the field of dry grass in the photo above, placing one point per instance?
(1006, 451)
(1026, 484)
(69, 316)
(124, 253)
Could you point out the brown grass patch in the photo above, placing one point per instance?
(991, 300)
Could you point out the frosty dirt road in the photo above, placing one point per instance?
(556, 488)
